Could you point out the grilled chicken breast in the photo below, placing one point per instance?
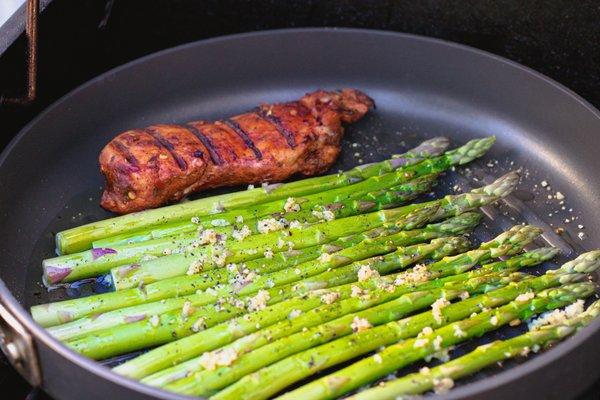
(147, 168)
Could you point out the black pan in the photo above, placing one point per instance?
(49, 177)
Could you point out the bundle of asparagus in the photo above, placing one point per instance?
(247, 293)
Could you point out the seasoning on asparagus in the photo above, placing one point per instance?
(69, 310)
(176, 324)
(441, 378)
(177, 265)
(363, 295)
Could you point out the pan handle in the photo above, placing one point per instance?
(18, 346)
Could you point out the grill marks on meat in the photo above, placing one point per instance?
(215, 157)
(286, 133)
(146, 168)
(162, 142)
(241, 133)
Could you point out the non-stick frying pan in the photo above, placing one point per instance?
(49, 176)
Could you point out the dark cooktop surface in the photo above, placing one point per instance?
(80, 39)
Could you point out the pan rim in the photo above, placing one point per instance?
(471, 389)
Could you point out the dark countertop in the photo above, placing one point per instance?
(79, 39)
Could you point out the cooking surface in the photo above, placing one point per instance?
(405, 119)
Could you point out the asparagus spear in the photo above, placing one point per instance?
(206, 382)
(406, 352)
(442, 377)
(176, 265)
(379, 306)
(80, 238)
(340, 203)
(98, 261)
(304, 340)
(506, 243)
(192, 346)
(69, 310)
(176, 324)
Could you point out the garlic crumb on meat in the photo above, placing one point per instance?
(360, 324)
(199, 325)
(259, 302)
(436, 309)
(330, 298)
(242, 233)
(365, 273)
(291, 205)
(218, 358)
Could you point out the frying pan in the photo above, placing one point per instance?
(49, 177)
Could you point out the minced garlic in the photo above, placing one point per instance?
(242, 233)
(269, 225)
(436, 309)
(365, 273)
(441, 386)
(360, 324)
(259, 302)
(219, 358)
(291, 205)
(199, 325)
(187, 309)
(330, 298)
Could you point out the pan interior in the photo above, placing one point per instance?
(49, 179)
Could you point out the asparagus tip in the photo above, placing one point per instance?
(585, 263)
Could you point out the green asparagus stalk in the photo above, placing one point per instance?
(442, 377)
(69, 310)
(206, 382)
(98, 261)
(176, 265)
(506, 243)
(380, 305)
(179, 323)
(339, 203)
(244, 286)
(81, 238)
(406, 352)
(192, 346)
(310, 338)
